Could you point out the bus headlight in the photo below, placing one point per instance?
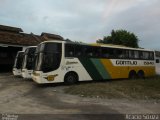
(36, 74)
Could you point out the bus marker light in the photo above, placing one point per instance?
(36, 74)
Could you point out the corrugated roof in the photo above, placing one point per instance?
(51, 36)
(20, 38)
(14, 36)
(10, 29)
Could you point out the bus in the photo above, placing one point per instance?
(157, 60)
(27, 66)
(70, 62)
(18, 64)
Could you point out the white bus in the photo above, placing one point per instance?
(61, 61)
(27, 66)
(157, 59)
(18, 63)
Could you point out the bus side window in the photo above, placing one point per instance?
(131, 54)
(140, 55)
(157, 61)
(88, 52)
(78, 50)
(157, 53)
(151, 55)
(112, 53)
(121, 53)
(96, 52)
(136, 54)
(69, 50)
(105, 53)
(126, 54)
(146, 55)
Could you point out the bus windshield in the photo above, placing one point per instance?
(48, 57)
(29, 58)
(18, 60)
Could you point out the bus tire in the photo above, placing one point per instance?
(132, 74)
(141, 74)
(71, 78)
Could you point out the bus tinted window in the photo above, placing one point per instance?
(151, 55)
(105, 53)
(141, 55)
(110, 53)
(122, 53)
(52, 47)
(157, 60)
(133, 54)
(30, 60)
(51, 61)
(92, 51)
(114, 53)
(78, 50)
(157, 53)
(19, 60)
(32, 50)
(69, 50)
(136, 54)
(72, 50)
(75, 50)
(146, 55)
(88, 51)
(97, 52)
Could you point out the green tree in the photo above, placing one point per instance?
(121, 37)
(68, 40)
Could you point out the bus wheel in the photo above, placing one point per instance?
(71, 78)
(132, 74)
(141, 74)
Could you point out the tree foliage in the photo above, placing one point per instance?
(121, 37)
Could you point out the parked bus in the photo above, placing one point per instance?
(157, 60)
(27, 66)
(61, 61)
(18, 64)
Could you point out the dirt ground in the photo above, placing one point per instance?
(19, 96)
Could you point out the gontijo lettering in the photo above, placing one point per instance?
(120, 62)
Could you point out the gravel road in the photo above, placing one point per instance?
(31, 101)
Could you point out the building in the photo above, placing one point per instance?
(12, 39)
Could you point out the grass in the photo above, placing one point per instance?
(145, 89)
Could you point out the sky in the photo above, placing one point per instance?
(85, 20)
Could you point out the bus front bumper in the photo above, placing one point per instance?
(26, 73)
(36, 76)
(17, 72)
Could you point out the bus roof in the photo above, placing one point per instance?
(99, 45)
(118, 46)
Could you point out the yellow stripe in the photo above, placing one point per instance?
(123, 71)
(115, 71)
(148, 70)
